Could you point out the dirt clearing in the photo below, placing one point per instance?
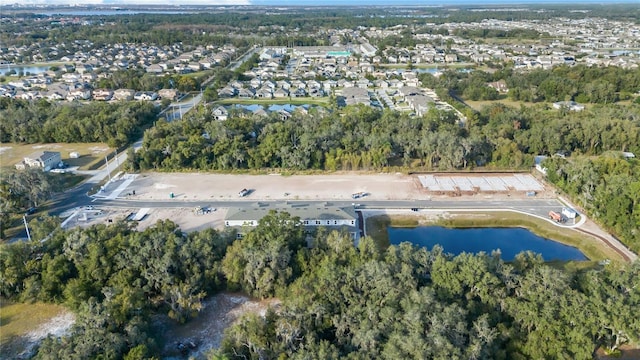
(195, 338)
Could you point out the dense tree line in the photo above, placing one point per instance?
(20, 190)
(356, 138)
(117, 124)
(364, 138)
(139, 80)
(497, 33)
(581, 83)
(338, 301)
(606, 186)
(114, 278)
(408, 303)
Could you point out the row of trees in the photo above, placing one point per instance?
(114, 278)
(364, 138)
(607, 186)
(20, 190)
(584, 84)
(117, 124)
(338, 301)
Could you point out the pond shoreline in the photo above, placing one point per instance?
(592, 248)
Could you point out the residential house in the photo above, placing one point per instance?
(102, 94)
(155, 69)
(220, 113)
(500, 86)
(246, 93)
(355, 95)
(145, 96)
(45, 160)
(227, 92)
(170, 94)
(299, 93)
(264, 93)
(281, 93)
(80, 93)
(123, 94)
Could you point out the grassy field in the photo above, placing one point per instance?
(17, 320)
(293, 101)
(590, 247)
(479, 104)
(91, 154)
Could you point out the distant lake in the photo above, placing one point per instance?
(32, 69)
(510, 241)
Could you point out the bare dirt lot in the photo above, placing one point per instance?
(196, 337)
(271, 187)
(158, 186)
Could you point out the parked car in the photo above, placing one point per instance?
(358, 195)
(243, 192)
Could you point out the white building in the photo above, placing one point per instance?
(311, 216)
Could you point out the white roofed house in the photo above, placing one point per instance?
(45, 160)
(79, 94)
(264, 93)
(102, 94)
(145, 96)
(220, 113)
(420, 104)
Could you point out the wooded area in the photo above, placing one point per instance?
(338, 301)
(117, 124)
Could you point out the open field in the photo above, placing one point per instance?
(23, 325)
(479, 104)
(590, 247)
(91, 154)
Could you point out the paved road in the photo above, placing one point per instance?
(536, 207)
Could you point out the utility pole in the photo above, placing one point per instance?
(24, 218)
(106, 161)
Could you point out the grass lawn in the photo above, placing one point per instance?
(323, 101)
(479, 104)
(590, 247)
(17, 320)
(91, 154)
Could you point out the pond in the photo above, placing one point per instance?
(510, 241)
(31, 69)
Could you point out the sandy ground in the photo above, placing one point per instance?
(186, 218)
(24, 346)
(154, 186)
(194, 186)
(206, 331)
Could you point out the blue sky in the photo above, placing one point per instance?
(303, 2)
